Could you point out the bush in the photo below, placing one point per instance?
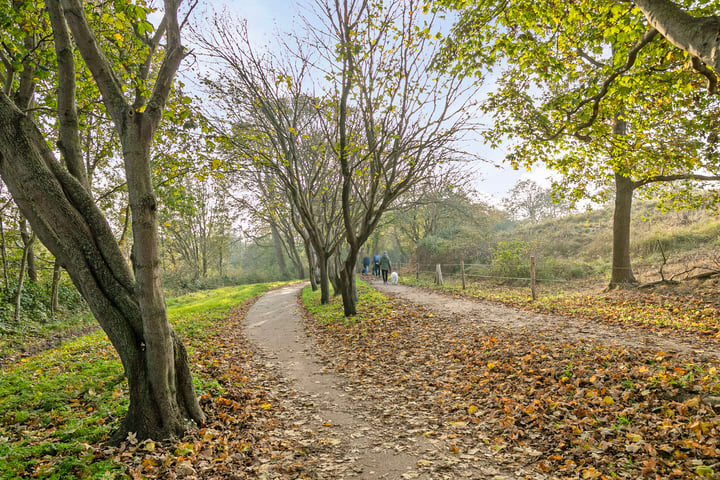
(511, 259)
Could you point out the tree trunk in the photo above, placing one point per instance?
(348, 286)
(334, 274)
(312, 265)
(622, 273)
(20, 282)
(277, 243)
(322, 261)
(55, 291)
(161, 370)
(292, 252)
(3, 251)
(28, 240)
(69, 223)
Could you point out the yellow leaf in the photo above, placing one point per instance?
(266, 406)
(472, 409)
(590, 473)
(634, 437)
(608, 400)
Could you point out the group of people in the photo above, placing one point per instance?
(381, 266)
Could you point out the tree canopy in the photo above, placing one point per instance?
(603, 93)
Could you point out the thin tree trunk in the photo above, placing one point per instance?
(28, 240)
(312, 265)
(55, 291)
(277, 243)
(20, 283)
(292, 252)
(3, 251)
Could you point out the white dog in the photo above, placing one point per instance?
(394, 278)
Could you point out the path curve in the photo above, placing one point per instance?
(274, 324)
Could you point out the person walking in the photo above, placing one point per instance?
(385, 266)
(376, 265)
(366, 265)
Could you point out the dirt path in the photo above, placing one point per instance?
(368, 447)
(562, 328)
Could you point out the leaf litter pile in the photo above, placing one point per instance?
(561, 407)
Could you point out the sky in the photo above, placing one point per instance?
(267, 17)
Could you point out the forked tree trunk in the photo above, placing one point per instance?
(163, 387)
(132, 313)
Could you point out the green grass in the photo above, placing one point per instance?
(54, 404)
(371, 305)
(24, 333)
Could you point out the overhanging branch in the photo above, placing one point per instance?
(675, 178)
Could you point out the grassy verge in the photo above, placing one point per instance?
(374, 305)
(55, 405)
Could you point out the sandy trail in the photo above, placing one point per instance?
(561, 328)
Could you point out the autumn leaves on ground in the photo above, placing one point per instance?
(553, 408)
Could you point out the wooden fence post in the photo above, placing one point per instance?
(438, 275)
(462, 269)
(532, 278)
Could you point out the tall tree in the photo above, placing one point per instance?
(129, 305)
(604, 93)
(271, 127)
(349, 123)
(391, 123)
(528, 200)
(195, 222)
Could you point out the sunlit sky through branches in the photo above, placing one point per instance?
(268, 18)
